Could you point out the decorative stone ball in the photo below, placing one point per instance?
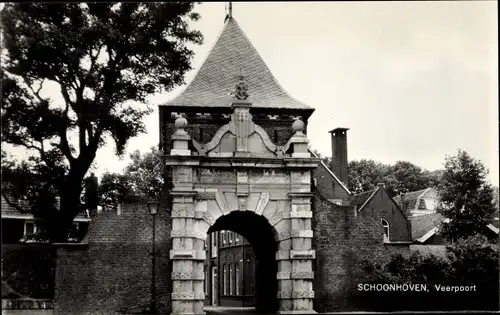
(180, 122)
(298, 125)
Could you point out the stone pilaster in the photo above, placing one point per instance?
(301, 253)
(187, 252)
(187, 256)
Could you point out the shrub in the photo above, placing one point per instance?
(471, 262)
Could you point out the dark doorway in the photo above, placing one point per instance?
(260, 234)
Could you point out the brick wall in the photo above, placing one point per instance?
(114, 271)
(341, 241)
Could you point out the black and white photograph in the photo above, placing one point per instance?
(192, 158)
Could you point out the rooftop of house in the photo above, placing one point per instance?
(22, 211)
(414, 200)
(232, 56)
(423, 224)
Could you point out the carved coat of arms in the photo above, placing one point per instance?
(241, 91)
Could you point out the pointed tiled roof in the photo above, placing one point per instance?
(231, 56)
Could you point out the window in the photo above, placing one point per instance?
(224, 236)
(230, 237)
(385, 227)
(224, 280)
(214, 237)
(206, 281)
(237, 236)
(231, 279)
(238, 281)
(29, 228)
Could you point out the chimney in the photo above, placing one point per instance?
(339, 153)
(92, 194)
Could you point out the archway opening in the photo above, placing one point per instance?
(243, 273)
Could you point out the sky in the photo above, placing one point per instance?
(414, 81)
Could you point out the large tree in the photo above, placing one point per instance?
(104, 58)
(466, 197)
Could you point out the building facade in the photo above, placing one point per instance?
(229, 270)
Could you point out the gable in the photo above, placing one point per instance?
(329, 186)
(327, 174)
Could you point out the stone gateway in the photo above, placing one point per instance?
(241, 180)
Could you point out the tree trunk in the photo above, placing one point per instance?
(70, 207)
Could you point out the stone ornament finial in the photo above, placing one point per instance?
(241, 91)
(299, 140)
(180, 124)
(298, 126)
(180, 137)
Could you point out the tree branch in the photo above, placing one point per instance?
(64, 145)
(37, 92)
(41, 151)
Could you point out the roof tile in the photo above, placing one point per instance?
(421, 225)
(231, 56)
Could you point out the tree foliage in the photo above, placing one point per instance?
(466, 197)
(143, 177)
(103, 58)
(364, 175)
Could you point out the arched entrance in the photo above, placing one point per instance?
(242, 180)
(263, 239)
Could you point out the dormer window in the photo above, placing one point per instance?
(385, 228)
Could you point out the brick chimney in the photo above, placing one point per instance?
(339, 153)
(91, 194)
